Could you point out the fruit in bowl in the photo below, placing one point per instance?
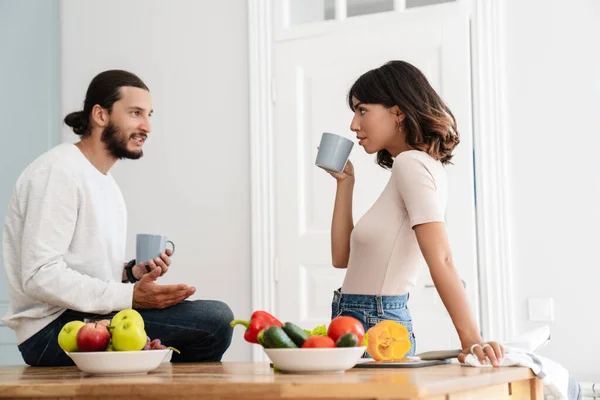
(128, 335)
(119, 362)
(113, 346)
(93, 337)
(67, 337)
(127, 315)
(343, 325)
(292, 349)
(336, 351)
(315, 360)
(125, 332)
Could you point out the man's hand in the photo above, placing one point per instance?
(163, 263)
(148, 294)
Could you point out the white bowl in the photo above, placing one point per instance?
(336, 359)
(119, 362)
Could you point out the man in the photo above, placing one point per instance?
(64, 239)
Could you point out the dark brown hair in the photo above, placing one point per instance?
(104, 90)
(429, 124)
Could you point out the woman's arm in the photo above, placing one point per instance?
(342, 223)
(434, 245)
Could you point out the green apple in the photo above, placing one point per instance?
(128, 335)
(67, 337)
(127, 315)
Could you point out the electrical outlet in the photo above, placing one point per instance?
(541, 309)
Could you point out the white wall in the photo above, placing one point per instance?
(29, 110)
(553, 57)
(193, 182)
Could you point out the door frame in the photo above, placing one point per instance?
(491, 162)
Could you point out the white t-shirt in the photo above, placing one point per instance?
(385, 257)
(63, 242)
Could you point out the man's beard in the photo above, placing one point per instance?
(116, 143)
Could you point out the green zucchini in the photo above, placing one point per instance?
(295, 333)
(275, 338)
(347, 340)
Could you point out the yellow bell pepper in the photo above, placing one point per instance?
(388, 341)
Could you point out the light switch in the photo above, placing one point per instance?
(541, 309)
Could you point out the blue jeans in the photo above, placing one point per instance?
(199, 329)
(371, 310)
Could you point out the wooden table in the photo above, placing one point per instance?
(257, 381)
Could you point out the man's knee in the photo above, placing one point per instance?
(223, 317)
(217, 316)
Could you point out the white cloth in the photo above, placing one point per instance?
(63, 242)
(555, 377)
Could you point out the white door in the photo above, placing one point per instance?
(312, 76)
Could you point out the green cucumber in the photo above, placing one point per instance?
(347, 340)
(297, 335)
(275, 338)
(260, 338)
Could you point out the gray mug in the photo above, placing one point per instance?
(148, 247)
(333, 153)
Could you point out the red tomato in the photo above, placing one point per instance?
(318, 341)
(341, 325)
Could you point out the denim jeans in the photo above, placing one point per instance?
(199, 329)
(371, 310)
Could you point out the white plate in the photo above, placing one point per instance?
(119, 362)
(308, 360)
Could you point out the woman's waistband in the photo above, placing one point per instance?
(370, 301)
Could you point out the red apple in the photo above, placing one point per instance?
(93, 336)
(105, 322)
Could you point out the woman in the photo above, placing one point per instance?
(399, 116)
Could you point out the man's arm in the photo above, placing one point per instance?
(50, 217)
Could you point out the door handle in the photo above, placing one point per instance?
(431, 285)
